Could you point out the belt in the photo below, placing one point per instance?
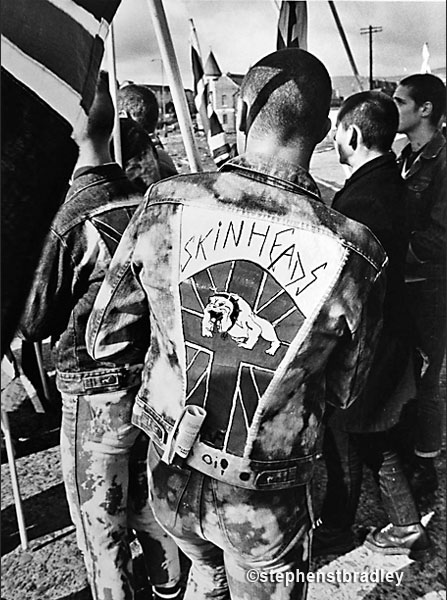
(100, 381)
(229, 468)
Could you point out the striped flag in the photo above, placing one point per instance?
(292, 25)
(51, 53)
(220, 149)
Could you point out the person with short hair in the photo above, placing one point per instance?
(375, 196)
(140, 103)
(421, 102)
(103, 454)
(262, 302)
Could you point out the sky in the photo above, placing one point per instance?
(240, 32)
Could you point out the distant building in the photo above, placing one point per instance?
(223, 92)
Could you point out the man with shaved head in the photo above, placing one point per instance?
(262, 302)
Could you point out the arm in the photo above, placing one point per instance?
(50, 300)
(118, 327)
(351, 360)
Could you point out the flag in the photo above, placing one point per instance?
(220, 149)
(51, 54)
(292, 25)
(425, 67)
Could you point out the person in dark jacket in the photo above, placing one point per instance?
(103, 454)
(373, 195)
(420, 100)
(140, 103)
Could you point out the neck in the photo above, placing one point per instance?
(93, 154)
(420, 136)
(295, 154)
(362, 157)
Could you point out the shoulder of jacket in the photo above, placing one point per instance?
(82, 207)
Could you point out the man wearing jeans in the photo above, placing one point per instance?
(420, 100)
(260, 299)
(103, 454)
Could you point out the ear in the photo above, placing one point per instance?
(241, 125)
(356, 137)
(242, 112)
(426, 109)
(325, 129)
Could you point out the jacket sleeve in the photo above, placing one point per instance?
(428, 242)
(49, 302)
(118, 327)
(352, 357)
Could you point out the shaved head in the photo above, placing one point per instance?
(288, 94)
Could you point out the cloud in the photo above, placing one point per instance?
(240, 32)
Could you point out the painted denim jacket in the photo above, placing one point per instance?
(263, 303)
(76, 254)
(426, 184)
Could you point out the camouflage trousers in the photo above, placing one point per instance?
(104, 465)
(243, 544)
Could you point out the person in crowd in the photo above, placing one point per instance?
(421, 102)
(103, 454)
(140, 103)
(139, 156)
(373, 195)
(262, 302)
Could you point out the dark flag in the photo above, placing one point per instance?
(292, 25)
(51, 53)
(220, 149)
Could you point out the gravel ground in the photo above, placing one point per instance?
(52, 568)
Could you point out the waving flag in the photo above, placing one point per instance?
(51, 53)
(292, 25)
(220, 149)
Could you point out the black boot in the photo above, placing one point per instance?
(410, 540)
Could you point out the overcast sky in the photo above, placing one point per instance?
(240, 32)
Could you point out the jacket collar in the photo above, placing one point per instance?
(376, 163)
(430, 151)
(274, 171)
(111, 169)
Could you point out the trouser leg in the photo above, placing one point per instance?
(96, 438)
(160, 551)
(344, 479)
(396, 494)
(427, 301)
(229, 532)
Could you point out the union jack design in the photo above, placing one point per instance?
(228, 374)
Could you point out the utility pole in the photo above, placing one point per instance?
(370, 30)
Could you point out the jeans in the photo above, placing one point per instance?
(238, 540)
(344, 454)
(427, 301)
(104, 466)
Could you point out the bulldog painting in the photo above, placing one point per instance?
(229, 314)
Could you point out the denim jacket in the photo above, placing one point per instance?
(75, 257)
(426, 183)
(262, 302)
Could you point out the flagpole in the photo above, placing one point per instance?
(14, 480)
(175, 81)
(111, 59)
(345, 44)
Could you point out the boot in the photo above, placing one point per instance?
(410, 540)
(328, 540)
